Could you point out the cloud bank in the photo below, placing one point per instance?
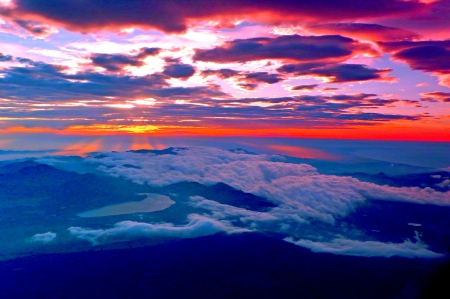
(341, 246)
(301, 193)
(427, 56)
(43, 238)
(326, 48)
(175, 15)
(197, 226)
(223, 211)
(307, 203)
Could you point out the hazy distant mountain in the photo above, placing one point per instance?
(13, 167)
(427, 179)
(167, 151)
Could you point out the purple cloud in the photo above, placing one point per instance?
(116, 62)
(364, 31)
(179, 70)
(175, 15)
(426, 56)
(247, 80)
(305, 87)
(338, 73)
(436, 96)
(288, 47)
(4, 57)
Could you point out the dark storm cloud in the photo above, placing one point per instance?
(263, 77)
(318, 116)
(41, 94)
(286, 47)
(190, 92)
(145, 52)
(174, 15)
(248, 86)
(427, 56)
(337, 73)
(172, 60)
(45, 94)
(222, 73)
(374, 117)
(252, 80)
(4, 57)
(365, 31)
(41, 82)
(436, 96)
(342, 73)
(25, 60)
(300, 68)
(403, 45)
(179, 70)
(299, 109)
(305, 87)
(432, 23)
(34, 28)
(248, 80)
(315, 110)
(116, 62)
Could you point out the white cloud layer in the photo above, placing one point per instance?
(342, 246)
(198, 226)
(444, 184)
(223, 211)
(301, 193)
(43, 238)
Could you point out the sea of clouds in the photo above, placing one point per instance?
(300, 191)
(303, 197)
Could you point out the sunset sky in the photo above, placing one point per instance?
(346, 69)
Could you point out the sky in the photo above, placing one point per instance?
(376, 70)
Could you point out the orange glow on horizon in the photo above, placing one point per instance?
(300, 152)
(400, 130)
(81, 148)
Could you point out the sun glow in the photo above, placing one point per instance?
(120, 106)
(82, 148)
